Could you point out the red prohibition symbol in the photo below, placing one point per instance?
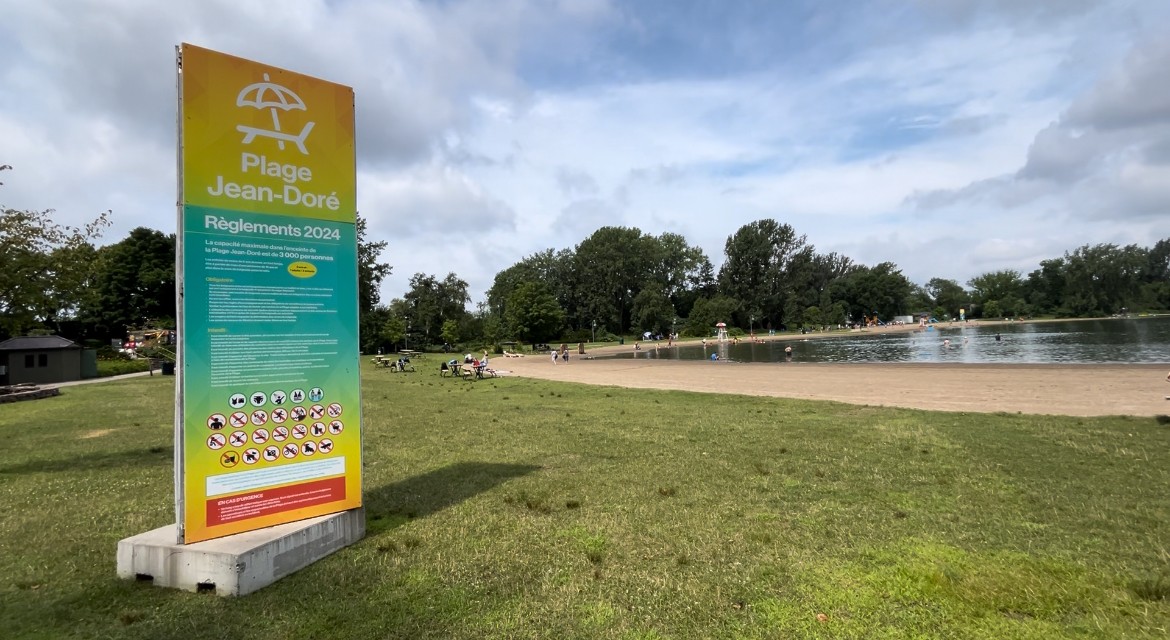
(309, 448)
(216, 421)
(299, 431)
(238, 439)
(336, 427)
(279, 415)
(291, 450)
(334, 410)
(325, 446)
(271, 453)
(260, 436)
(251, 456)
(298, 413)
(216, 441)
(316, 412)
(238, 419)
(279, 434)
(318, 430)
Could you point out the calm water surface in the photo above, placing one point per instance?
(1137, 340)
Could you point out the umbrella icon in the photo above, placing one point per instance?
(274, 97)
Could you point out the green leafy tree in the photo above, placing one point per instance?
(450, 331)
(880, 290)
(947, 295)
(431, 302)
(707, 312)
(533, 313)
(653, 311)
(612, 265)
(394, 330)
(134, 284)
(45, 268)
(766, 263)
(1000, 286)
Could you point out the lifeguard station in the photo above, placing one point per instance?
(721, 331)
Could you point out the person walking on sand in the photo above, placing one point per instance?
(554, 356)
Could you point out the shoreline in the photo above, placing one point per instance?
(1051, 388)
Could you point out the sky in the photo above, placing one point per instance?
(951, 137)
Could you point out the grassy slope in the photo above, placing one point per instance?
(517, 508)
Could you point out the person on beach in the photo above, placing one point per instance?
(554, 355)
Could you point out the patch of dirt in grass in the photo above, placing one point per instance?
(95, 433)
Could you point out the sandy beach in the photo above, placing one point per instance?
(1073, 390)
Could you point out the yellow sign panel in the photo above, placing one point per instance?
(262, 139)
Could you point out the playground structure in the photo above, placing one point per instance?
(721, 331)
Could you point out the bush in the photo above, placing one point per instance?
(106, 368)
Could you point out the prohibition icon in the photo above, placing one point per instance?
(325, 446)
(298, 413)
(316, 411)
(271, 453)
(299, 431)
(216, 421)
(238, 419)
(216, 441)
(291, 450)
(334, 410)
(309, 448)
(279, 415)
(229, 459)
(259, 417)
(336, 427)
(238, 439)
(251, 456)
(260, 436)
(280, 434)
(317, 430)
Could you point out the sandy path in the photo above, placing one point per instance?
(1076, 390)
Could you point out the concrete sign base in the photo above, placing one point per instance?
(239, 564)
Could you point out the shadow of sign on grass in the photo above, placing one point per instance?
(392, 505)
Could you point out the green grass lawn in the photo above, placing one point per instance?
(513, 508)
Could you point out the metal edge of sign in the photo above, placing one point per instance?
(179, 316)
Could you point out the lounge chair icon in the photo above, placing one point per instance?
(272, 96)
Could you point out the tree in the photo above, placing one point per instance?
(1004, 286)
(947, 295)
(652, 311)
(880, 290)
(533, 313)
(766, 263)
(370, 276)
(708, 312)
(450, 332)
(134, 284)
(612, 266)
(43, 267)
(370, 271)
(431, 302)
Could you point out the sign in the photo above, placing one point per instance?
(267, 266)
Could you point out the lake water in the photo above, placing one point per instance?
(1136, 340)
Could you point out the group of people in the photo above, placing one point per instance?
(563, 354)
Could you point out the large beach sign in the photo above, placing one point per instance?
(268, 419)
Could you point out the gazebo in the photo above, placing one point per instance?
(721, 331)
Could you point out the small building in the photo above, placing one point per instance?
(39, 360)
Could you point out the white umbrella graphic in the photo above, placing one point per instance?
(274, 97)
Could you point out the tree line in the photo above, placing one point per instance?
(618, 280)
